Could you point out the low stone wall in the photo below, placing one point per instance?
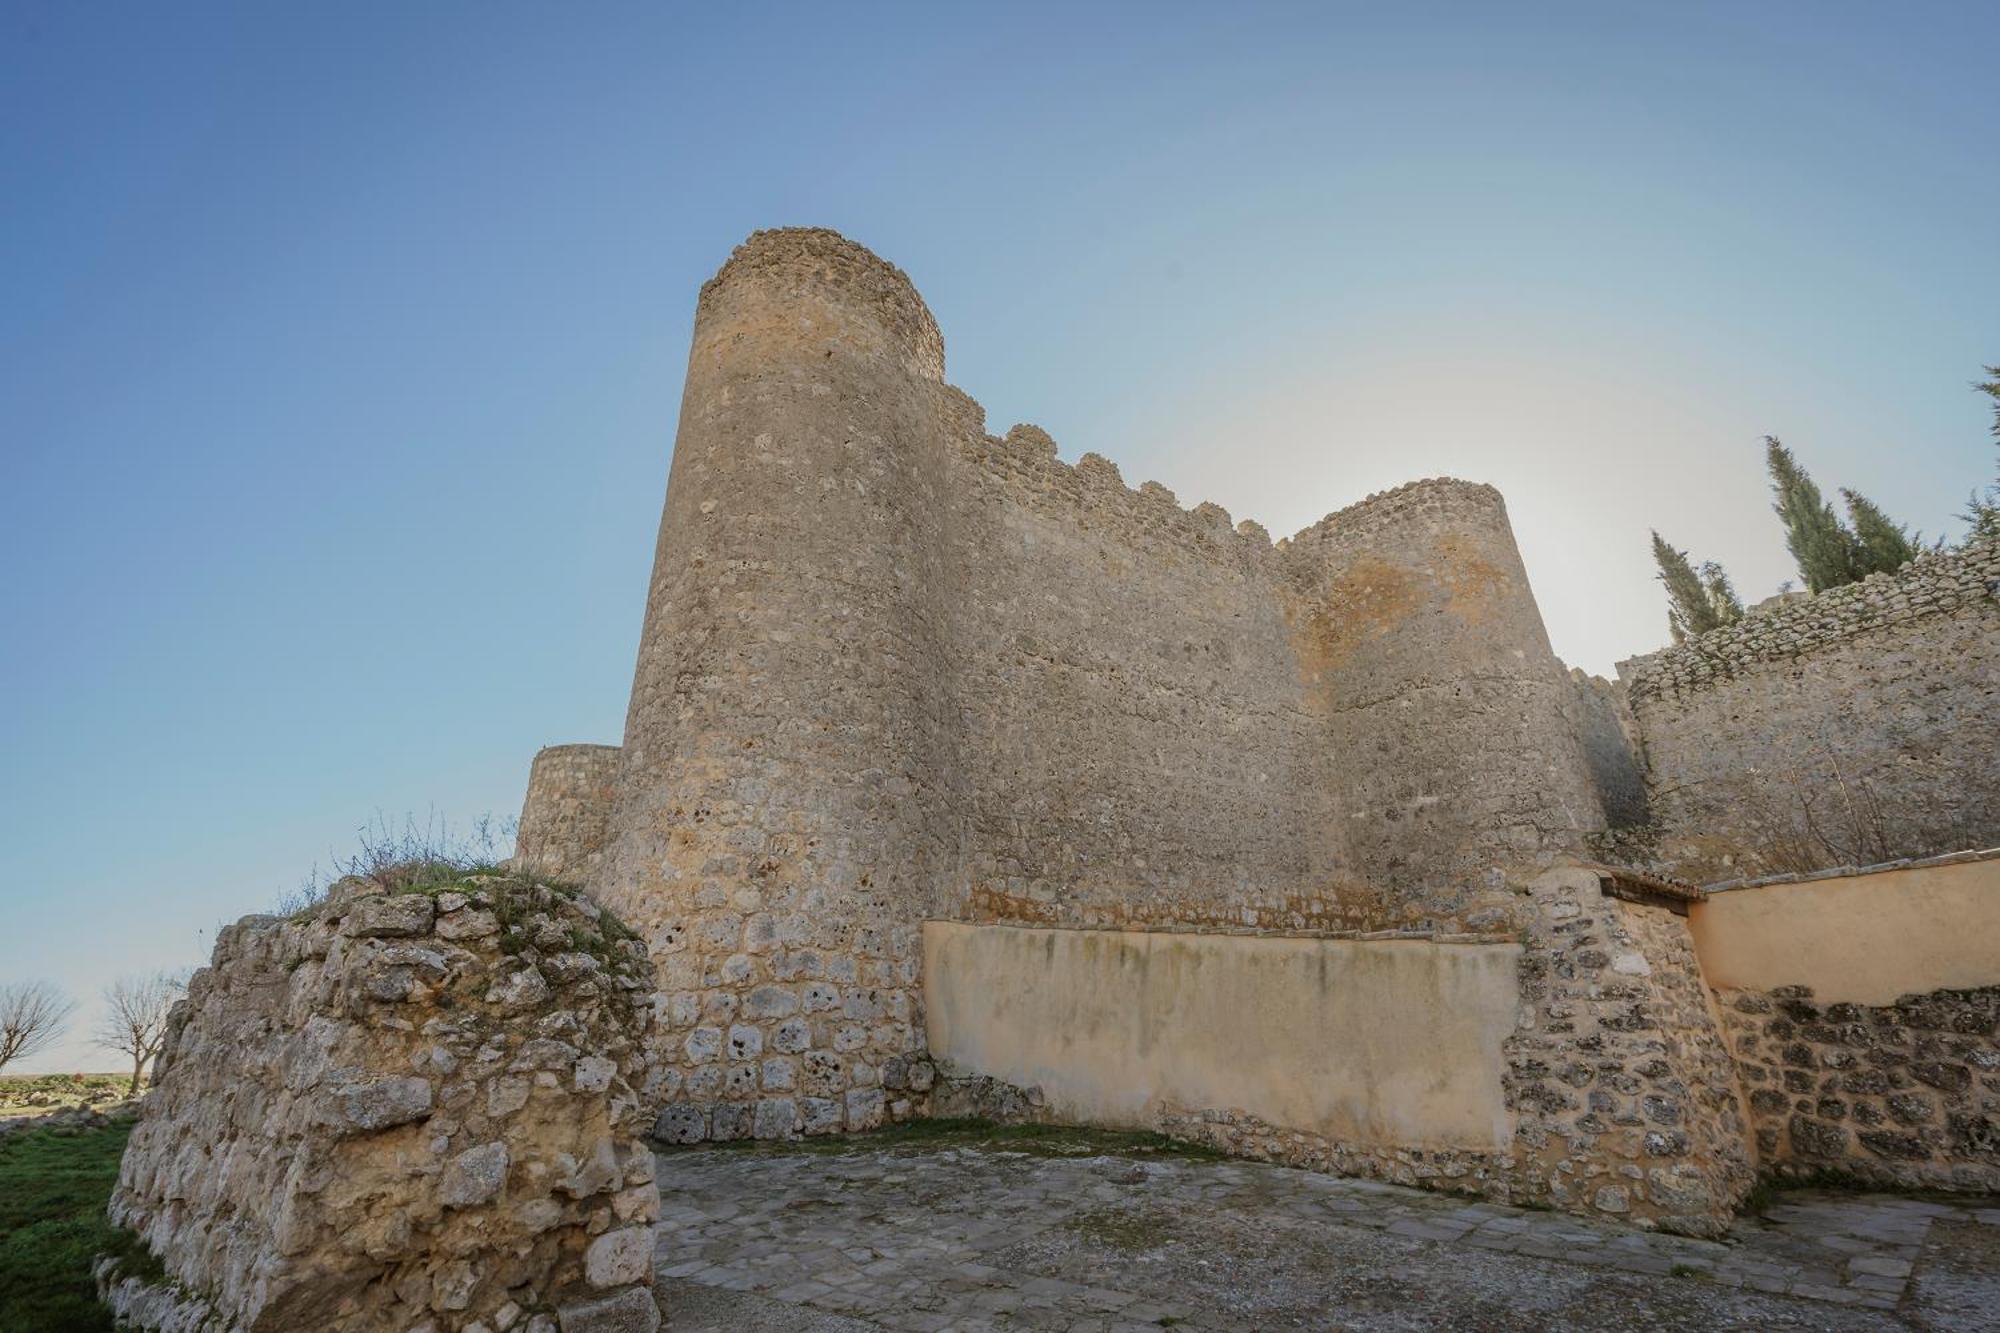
(1903, 1094)
(1850, 727)
(402, 1111)
(566, 815)
(1863, 1009)
(1587, 1072)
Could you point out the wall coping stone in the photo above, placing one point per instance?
(1845, 872)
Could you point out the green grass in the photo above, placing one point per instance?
(936, 1134)
(53, 1189)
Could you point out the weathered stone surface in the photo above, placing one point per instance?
(321, 1151)
(619, 1258)
(474, 1176)
(1895, 1094)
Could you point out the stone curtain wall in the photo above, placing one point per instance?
(1137, 739)
(1601, 716)
(895, 668)
(566, 816)
(403, 1112)
(1849, 728)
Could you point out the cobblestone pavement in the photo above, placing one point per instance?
(942, 1235)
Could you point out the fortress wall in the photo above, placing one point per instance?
(1137, 743)
(1852, 727)
(1456, 769)
(1601, 717)
(566, 816)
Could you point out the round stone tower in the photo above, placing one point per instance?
(1456, 769)
(780, 823)
(567, 813)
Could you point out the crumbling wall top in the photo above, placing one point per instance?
(1935, 584)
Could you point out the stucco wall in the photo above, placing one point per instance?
(1392, 1042)
(1861, 939)
(1852, 727)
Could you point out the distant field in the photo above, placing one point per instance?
(25, 1094)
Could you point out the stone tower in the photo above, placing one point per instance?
(1456, 767)
(779, 823)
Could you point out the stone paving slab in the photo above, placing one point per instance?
(943, 1237)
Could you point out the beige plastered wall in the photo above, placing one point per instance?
(1861, 939)
(1393, 1042)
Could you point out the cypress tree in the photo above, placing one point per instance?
(1983, 511)
(1826, 552)
(1722, 600)
(1883, 546)
(1691, 604)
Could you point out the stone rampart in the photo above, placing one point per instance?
(1852, 727)
(402, 1111)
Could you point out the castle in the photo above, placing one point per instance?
(960, 781)
(958, 776)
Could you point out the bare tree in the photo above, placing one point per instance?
(135, 1017)
(32, 1014)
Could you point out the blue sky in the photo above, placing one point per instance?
(341, 345)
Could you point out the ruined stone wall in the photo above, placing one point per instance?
(1848, 728)
(566, 816)
(895, 668)
(406, 1111)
